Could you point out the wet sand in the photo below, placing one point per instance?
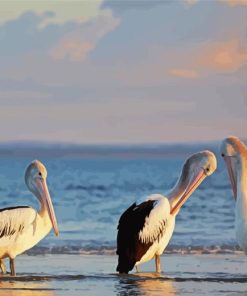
(95, 275)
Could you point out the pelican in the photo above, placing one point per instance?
(234, 152)
(145, 228)
(23, 227)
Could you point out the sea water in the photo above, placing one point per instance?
(90, 194)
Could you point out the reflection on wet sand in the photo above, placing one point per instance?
(145, 284)
(12, 288)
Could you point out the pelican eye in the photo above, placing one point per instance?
(207, 169)
(40, 174)
(222, 154)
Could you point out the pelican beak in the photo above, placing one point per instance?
(232, 176)
(46, 198)
(194, 182)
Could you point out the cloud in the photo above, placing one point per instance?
(229, 2)
(75, 49)
(225, 56)
(74, 40)
(59, 13)
(235, 2)
(184, 73)
(22, 96)
(164, 66)
(78, 43)
(122, 6)
(191, 2)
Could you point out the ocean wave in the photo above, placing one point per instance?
(187, 277)
(127, 186)
(111, 250)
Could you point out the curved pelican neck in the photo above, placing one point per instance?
(43, 211)
(241, 200)
(179, 188)
(242, 178)
(42, 207)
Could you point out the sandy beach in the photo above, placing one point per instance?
(95, 275)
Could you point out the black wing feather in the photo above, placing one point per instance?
(129, 247)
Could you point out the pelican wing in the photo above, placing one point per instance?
(155, 222)
(13, 221)
(139, 227)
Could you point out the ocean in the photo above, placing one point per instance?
(91, 190)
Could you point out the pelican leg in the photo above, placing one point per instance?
(2, 267)
(12, 266)
(137, 268)
(157, 263)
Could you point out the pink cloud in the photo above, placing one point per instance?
(76, 45)
(191, 2)
(224, 56)
(74, 48)
(235, 2)
(184, 73)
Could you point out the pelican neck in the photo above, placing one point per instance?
(242, 178)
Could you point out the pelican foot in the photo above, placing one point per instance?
(157, 263)
(2, 267)
(12, 266)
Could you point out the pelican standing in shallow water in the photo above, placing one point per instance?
(145, 228)
(23, 227)
(234, 152)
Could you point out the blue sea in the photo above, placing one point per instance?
(90, 192)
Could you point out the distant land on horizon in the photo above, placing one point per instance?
(70, 150)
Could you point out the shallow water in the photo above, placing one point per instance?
(93, 275)
(89, 196)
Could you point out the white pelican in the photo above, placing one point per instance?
(23, 227)
(234, 153)
(145, 228)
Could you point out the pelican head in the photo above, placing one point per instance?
(233, 150)
(35, 178)
(196, 168)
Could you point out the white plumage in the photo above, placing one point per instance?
(146, 227)
(156, 222)
(158, 227)
(20, 230)
(234, 153)
(23, 227)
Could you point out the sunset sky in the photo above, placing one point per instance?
(128, 71)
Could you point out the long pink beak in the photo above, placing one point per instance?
(232, 176)
(46, 198)
(193, 184)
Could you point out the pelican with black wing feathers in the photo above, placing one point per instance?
(146, 227)
(234, 152)
(23, 227)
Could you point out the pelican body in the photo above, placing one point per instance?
(23, 227)
(146, 227)
(234, 152)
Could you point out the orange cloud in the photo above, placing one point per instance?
(227, 56)
(235, 2)
(191, 2)
(74, 48)
(184, 73)
(77, 44)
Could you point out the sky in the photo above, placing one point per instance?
(123, 71)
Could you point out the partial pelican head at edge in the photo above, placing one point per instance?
(234, 152)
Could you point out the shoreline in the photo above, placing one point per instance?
(207, 274)
(111, 250)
